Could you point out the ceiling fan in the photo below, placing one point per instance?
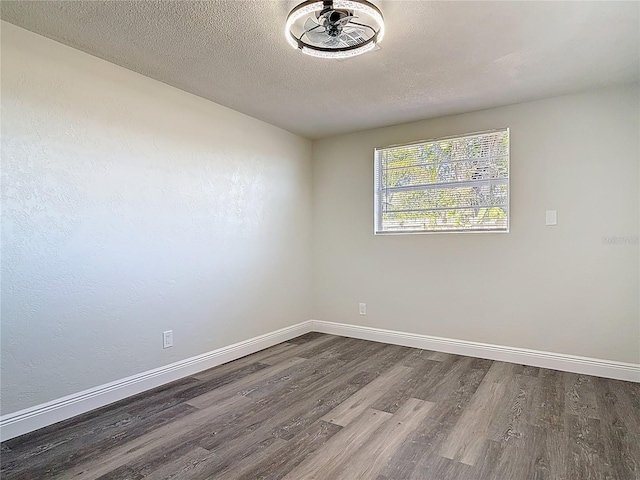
(335, 28)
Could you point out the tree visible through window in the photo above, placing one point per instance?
(444, 185)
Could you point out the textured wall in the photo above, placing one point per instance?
(559, 289)
(129, 208)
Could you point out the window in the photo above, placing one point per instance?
(456, 184)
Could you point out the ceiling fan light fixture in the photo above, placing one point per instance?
(329, 28)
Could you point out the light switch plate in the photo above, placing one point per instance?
(167, 339)
(552, 217)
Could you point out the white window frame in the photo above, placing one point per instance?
(377, 215)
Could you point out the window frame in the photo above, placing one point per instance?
(377, 198)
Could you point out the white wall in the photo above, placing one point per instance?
(128, 208)
(558, 289)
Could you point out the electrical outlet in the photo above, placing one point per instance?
(362, 308)
(167, 339)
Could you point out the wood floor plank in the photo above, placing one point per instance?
(234, 450)
(585, 447)
(433, 466)
(303, 350)
(173, 454)
(188, 465)
(155, 439)
(54, 456)
(442, 357)
(351, 408)
(307, 337)
(502, 372)
(241, 467)
(218, 394)
(241, 454)
(331, 344)
(322, 365)
(417, 357)
(402, 390)
(102, 419)
(509, 435)
(443, 379)
(505, 460)
(341, 447)
(433, 432)
(284, 355)
(627, 404)
(509, 419)
(622, 450)
(550, 461)
(481, 363)
(355, 349)
(258, 357)
(549, 403)
(369, 461)
(122, 473)
(294, 452)
(317, 404)
(242, 451)
(212, 382)
(580, 397)
(537, 453)
(466, 442)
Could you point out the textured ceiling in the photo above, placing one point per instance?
(437, 58)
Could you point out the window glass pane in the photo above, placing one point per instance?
(452, 184)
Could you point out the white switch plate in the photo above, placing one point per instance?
(552, 217)
(167, 339)
(362, 308)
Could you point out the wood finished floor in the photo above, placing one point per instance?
(326, 407)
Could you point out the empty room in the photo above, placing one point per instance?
(331, 240)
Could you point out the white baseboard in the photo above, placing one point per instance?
(30, 419)
(523, 356)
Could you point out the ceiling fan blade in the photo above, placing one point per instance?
(318, 36)
(314, 32)
(333, 42)
(345, 39)
(347, 19)
(353, 30)
(311, 24)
